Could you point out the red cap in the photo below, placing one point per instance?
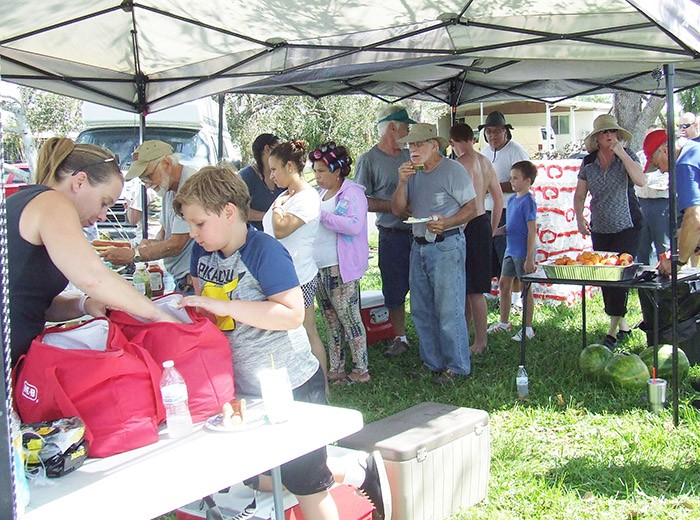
(652, 142)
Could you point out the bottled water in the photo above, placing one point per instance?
(174, 392)
(522, 382)
(142, 279)
(21, 484)
(429, 235)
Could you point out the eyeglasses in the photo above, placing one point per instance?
(147, 178)
(83, 168)
(494, 130)
(417, 144)
(609, 131)
(685, 126)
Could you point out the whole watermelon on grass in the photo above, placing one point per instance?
(665, 368)
(593, 359)
(627, 371)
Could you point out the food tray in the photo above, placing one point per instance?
(593, 273)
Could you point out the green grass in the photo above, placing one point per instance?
(577, 448)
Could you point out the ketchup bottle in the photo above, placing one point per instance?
(157, 280)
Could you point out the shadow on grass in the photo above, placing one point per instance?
(587, 475)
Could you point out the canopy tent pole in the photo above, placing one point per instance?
(8, 499)
(669, 73)
(144, 190)
(220, 147)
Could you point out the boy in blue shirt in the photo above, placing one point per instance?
(521, 236)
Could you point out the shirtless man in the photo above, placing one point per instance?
(479, 230)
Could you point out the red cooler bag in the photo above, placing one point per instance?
(94, 372)
(201, 352)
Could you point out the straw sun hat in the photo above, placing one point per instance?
(604, 122)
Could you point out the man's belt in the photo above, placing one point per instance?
(439, 238)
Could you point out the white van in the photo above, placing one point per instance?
(191, 129)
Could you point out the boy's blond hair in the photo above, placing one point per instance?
(212, 188)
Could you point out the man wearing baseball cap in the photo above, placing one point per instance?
(158, 167)
(687, 190)
(442, 200)
(377, 170)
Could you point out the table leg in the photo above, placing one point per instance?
(277, 492)
(523, 336)
(583, 317)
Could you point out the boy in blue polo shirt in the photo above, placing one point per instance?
(521, 236)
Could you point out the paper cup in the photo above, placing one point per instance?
(276, 393)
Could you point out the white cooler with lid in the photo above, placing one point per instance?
(437, 458)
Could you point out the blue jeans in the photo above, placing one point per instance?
(438, 293)
(394, 261)
(654, 235)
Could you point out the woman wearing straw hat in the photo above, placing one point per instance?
(609, 173)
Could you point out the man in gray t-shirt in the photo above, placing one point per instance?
(377, 170)
(442, 200)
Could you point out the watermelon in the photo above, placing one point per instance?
(665, 369)
(593, 359)
(627, 370)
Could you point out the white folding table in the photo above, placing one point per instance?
(156, 479)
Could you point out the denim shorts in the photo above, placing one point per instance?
(514, 267)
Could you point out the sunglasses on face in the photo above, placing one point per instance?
(685, 126)
(88, 165)
(610, 131)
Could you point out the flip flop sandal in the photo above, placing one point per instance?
(359, 377)
(345, 381)
(336, 376)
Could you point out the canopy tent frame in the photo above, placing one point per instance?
(134, 67)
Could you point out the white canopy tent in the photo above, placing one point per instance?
(146, 56)
(149, 55)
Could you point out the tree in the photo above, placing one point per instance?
(636, 113)
(690, 100)
(348, 120)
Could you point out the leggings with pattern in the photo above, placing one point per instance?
(340, 303)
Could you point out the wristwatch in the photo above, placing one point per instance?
(137, 256)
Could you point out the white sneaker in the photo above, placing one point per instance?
(498, 327)
(529, 334)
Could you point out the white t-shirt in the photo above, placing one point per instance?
(326, 247)
(503, 160)
(305, 205)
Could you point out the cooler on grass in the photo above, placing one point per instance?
(437, 458)
(375, 317)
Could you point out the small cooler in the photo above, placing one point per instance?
(375, 317)
(437, 458)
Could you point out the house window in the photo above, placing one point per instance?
(560, 123)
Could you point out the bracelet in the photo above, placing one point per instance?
(81, 303)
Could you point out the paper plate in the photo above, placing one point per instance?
(254, 419)
(414, 220)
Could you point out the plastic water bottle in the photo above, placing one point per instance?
(174, 392)
(142, 280)
(522, 382)
(21, 484)
(429, 235)
(342, 207)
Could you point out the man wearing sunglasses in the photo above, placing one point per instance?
(688, 126)
(158, 167)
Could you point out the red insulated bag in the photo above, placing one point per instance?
(94, 372)
(201, 352)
